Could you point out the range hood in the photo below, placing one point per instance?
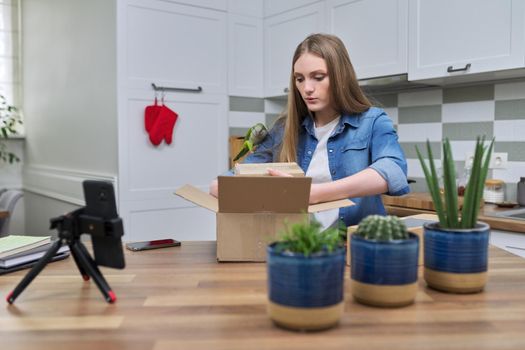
(391, 83)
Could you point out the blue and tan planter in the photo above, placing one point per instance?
(384, 273)
(456, 260)
(305, 293)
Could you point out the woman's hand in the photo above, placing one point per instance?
(274, 172)
(214, 188)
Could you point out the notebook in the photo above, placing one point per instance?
(14, 244)
(30, 255)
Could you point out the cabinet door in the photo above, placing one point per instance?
(282, 34)
(149, 175)
(450, 38)
(245, 56)
(174, 45)
(273, 7)
(375, 33)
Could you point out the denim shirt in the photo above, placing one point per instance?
(359, 141)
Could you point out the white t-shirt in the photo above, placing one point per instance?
(319, 170)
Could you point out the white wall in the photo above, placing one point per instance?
(69, 104)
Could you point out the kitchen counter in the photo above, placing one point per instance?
(421, 203)
(181, 298)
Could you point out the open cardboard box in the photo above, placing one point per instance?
(252, 211)
(414, 224)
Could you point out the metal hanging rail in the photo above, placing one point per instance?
(165, 88)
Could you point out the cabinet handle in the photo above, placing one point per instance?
(451, 69)
(286, 90)
(165, 88)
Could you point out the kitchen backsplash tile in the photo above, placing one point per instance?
(468, 112)
(509, 130)
(469, 93)
(468, 131)
(510, 110)
(419, 114)
(420, 98)
(419, 132)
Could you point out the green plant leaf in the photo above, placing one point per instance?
(432, 183)
(449, 184)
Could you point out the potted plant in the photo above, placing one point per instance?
(384, 262)
(9, 119)
(456, 247)
(306, 277)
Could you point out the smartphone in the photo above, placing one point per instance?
(160, 243)
(101, 205)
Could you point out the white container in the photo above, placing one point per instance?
(494, 191)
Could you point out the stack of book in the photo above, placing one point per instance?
(19, 252)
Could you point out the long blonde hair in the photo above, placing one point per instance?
(346, 95)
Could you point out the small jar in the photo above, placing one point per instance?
(494, 191)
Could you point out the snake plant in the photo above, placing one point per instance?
(447, 205)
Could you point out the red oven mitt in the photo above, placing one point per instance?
(162, 129)
(150, 115)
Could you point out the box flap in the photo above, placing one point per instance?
(253, 194)
(261, 169)
(203, 199)
(341, 203)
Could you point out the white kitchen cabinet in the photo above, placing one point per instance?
(375, 32)
(175, 46)
(273, 7)
(253, 8)
(459, 38)
(211, 4)
(282, 34)
(245, 56)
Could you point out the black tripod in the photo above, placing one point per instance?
(69, 227)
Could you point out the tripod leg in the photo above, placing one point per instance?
(34, 272)
(91, 268)
(83, 272)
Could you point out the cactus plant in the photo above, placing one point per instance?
(382, 228)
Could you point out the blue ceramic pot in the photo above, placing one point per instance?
(384, 273)
(305, 292)
(456, 260)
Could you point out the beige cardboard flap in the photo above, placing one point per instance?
(341, 203)
(274, 194)
(203, 199)
(261, 169)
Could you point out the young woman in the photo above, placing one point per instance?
(331, 130)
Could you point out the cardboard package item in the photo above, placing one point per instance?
(414, 224)
(252, 211)
(261, 169)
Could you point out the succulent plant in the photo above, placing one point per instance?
(382, 228)
(308, 238)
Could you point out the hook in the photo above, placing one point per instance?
(163, 94)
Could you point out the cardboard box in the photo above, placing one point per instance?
(252, 211)
(261, 169)
(414, 224)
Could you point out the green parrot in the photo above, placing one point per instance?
(253, 137)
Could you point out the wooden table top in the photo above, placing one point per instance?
(181, 298)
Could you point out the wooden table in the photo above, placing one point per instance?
(3, 214)
(181, 298)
